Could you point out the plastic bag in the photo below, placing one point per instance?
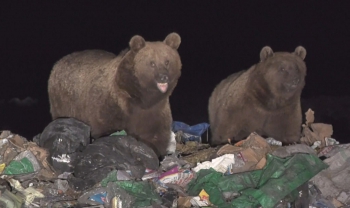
(143, 192)
(128, 194)
(316, 198)
(9, 200)
(171, 161)
(25, 162)
(109, 153)
(196, 130)
(63, 138)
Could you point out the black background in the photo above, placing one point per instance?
(218, 38)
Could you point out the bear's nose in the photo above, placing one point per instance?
(163, 78)
(296, 81)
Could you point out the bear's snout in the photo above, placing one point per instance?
(296, 81)
(163, 78)
(162, 82)
(292, 84)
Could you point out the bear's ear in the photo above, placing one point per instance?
(136, 43)
(265, 53)
(173, 40)
(300, 51)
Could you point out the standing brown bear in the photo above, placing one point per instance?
(129, 91)
(264, 99)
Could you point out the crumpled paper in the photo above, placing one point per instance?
(220, 164)
(314, 132)
(251, 151)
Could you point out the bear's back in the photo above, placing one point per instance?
(74, 77)
(80, 68)
(87, 60)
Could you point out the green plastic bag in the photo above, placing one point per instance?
(19, 167)
(143, 192)
(119, 133)
(265, 187)
(111, 177)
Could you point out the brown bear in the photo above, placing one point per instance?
(129, 91)
(264, 99)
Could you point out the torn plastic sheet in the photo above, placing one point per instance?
(287, 151)
(265, 187)
(332, 150)
(130, 194)
(316, 198)
(334, 182)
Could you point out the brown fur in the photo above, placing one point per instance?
(112, 93)
(265, 99)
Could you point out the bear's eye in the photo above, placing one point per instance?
(166, 63)
(282, 69)
(153, 64)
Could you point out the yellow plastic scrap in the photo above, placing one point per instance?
(116, 202)
(204, 196)
(29, 193)
(2, 167)
(16, 184)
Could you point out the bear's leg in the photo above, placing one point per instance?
(162, 144)
(224, 132)
(285, 128)
(159, 142)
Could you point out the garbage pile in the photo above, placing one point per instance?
(62, 167)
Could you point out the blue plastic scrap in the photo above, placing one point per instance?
(99, 198)
(196, 130)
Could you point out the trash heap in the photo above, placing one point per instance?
(62, 167)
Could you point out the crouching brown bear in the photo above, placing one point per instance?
(264, 99)
(129, 91)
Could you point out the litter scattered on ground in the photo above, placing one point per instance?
(64, 168)
(316, 134)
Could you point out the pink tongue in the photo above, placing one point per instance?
(162, 87)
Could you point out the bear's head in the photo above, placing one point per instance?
(281, 74)
(149, 71)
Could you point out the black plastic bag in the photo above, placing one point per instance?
(63, 138)
(110, 153)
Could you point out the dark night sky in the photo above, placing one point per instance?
(218, 39)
